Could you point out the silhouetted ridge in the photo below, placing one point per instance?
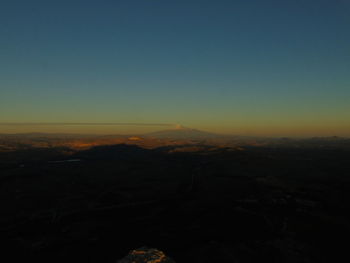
(119, 151)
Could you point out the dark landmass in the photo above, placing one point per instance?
(95, 198)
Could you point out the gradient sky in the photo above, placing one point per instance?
(244, 67)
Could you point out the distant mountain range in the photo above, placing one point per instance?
(178, 136)
(182, 133)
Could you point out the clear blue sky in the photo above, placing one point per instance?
(255, 67)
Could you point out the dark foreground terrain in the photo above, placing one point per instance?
(253, 204)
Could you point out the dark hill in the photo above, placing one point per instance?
(119, 151)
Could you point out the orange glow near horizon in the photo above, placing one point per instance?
(243, 130)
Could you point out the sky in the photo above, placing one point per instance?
(272, 68)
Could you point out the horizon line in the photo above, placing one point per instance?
(83, 124)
